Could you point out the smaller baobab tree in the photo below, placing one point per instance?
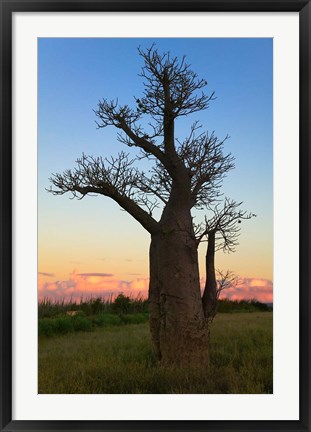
(221, 232)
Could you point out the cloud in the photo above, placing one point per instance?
(140, 285)
(251, 288)
(86, 275)
(257, 282)
(91, 284)
(106, 284)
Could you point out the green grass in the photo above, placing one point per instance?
(100, 312)
(63, 324)
(118, 359)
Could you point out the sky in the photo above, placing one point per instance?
(90, 246)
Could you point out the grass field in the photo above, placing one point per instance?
(118, 359)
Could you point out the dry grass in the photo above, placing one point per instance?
(118, 359)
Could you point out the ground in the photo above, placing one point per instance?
(118, 359)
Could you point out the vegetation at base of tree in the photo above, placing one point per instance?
(99, 312)
(232, 306)
(66, 324)
(119, 359)
(120, 304)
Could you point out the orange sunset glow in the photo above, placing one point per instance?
(105, 285)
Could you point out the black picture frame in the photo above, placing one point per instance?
(7, 9)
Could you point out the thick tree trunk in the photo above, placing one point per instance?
(209, 298)
(154, 298)
(178, 326)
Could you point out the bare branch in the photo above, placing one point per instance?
(226, 280)
(225, 223)
(124, 118)
(115, 178)
(204, 158)
(184, 84)
(110, 113)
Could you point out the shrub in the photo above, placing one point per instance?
(46, 327)
(134, 318)
(81, 323)
(232, 306)
(90, 306)
(63, 325)
(122, 304)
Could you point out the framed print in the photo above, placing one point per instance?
(155, 215)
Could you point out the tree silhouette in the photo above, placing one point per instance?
(184, 175)
(221, 231)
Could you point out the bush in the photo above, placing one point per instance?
(81, 323)
(134, 318)
(90, 306)
(63, 325)
(232, 306)
(110, 319)
(46, 327)
(104, 319)
(122, 304)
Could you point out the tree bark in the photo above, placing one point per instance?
(209, 298)
(154, 298)
(178, 326)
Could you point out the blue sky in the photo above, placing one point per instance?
(75, 73)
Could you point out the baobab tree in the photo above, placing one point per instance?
(184, 175)
(221, 232)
